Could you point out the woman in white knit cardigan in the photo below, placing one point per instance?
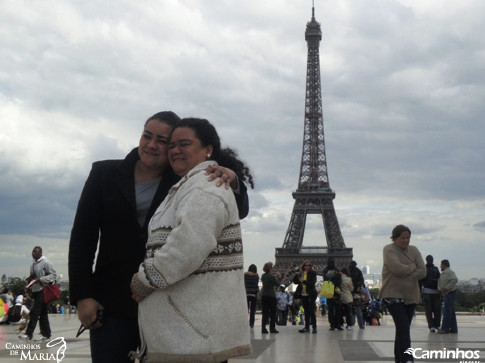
(190, 287)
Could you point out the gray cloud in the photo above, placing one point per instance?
(402, 83)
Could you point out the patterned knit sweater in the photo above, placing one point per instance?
(195, 307)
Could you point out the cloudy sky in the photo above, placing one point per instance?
(403, 85)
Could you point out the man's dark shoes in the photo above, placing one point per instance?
(274, 331)
(304, 330)
(264, 331)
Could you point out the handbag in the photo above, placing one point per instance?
(327, 289)
(51, 293)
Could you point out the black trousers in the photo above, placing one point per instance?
(114, 340)
(308, 303)
(38, 313)
(269, 312)
(432, 306)
(402, 316)
(334, 312)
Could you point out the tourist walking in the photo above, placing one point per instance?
(42, 273)
(347, 298)
(334, 307)
(251, 283)
(403, 267)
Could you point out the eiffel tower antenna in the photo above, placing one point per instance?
(314, 195)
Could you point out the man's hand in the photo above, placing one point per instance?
(226, 176)
(86, 311)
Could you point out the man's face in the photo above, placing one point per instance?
(36, 253)
(443, 267)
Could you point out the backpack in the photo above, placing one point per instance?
(432, 276)
(14, 314)
(328, 289)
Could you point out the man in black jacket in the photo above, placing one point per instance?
(332, 273)
(431, 295)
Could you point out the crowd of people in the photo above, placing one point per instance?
(406, 282)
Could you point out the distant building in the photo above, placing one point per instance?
(366, 270)
(373, 280)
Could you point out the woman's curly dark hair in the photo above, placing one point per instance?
(225, 157)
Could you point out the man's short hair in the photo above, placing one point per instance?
(445, 263)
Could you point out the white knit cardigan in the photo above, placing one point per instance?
(195, 307)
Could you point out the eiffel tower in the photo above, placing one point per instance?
(313, 195)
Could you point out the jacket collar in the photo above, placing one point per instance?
(195, 170)
(40, 259)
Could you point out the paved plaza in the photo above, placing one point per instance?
(372, 344)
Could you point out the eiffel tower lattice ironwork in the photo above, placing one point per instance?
(314, 195)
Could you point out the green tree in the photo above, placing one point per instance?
(17, 286)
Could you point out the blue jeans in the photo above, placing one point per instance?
(402, 316)
(449, 317)
(38, 313)
(360, 316)
(114, 340)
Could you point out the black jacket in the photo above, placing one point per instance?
(311, 280)
(107, 212)
(432, 277)
(357, 278)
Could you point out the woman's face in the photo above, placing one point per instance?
(153, 145)
(185, 150)
(403, 240)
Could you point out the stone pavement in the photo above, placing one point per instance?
(373, 344)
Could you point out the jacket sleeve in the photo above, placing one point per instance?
(451, 281)
(188, 244)
(50, 274)
(394, 264)
(84, 239)
(420, 272)
(296, 279)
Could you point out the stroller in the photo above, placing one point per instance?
(374, 313)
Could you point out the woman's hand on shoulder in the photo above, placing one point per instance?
(226, 176)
